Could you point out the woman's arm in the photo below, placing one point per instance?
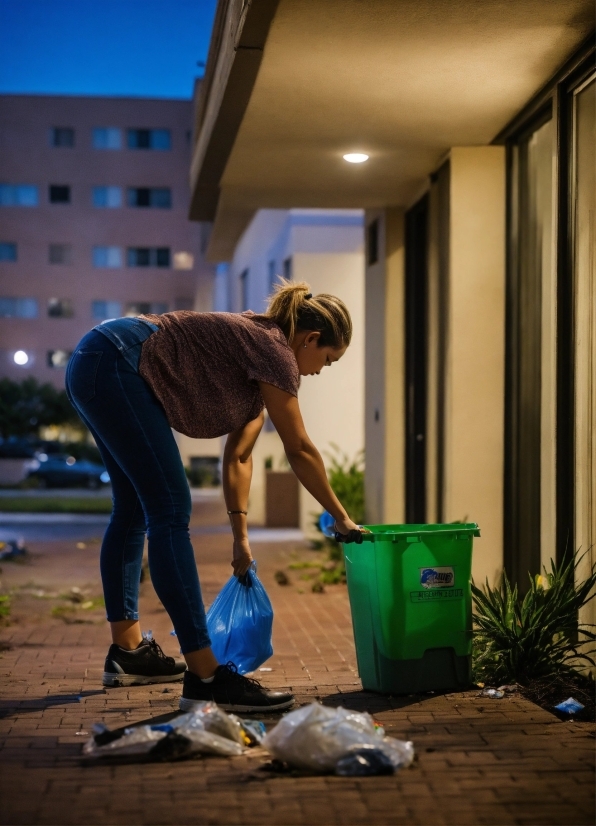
(236, 477)
(305, 460)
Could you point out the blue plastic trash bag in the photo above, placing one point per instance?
(327, 524)
(240, 622)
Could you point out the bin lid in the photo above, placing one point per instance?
(395, 532)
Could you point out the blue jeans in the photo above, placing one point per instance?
(150, 490)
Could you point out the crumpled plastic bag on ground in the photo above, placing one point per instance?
(240, 622)
(207, 730)
(316, 737)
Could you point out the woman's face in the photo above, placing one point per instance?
(311, 358)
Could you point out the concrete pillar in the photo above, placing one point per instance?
(384, 374)
(474, 437)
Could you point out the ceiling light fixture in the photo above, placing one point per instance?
(20, 357)
(355, 157)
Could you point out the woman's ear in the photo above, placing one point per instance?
(312, 337)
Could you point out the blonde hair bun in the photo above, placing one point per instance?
(293, 308)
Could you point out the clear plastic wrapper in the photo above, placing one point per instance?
(315, 737)
(135, 741)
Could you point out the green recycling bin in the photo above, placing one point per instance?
(409, 589)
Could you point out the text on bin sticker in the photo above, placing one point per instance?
(432, 596)
(437, 577)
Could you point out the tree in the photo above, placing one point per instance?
(27, 405)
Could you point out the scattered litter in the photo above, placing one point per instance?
(240, 622)
(316, 737)
(363, 762)
(265, 669)
(207, 730)
(281, 578)
(12, 549)
(570, 706)
(493, 693)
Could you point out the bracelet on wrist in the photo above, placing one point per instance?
(232, 512)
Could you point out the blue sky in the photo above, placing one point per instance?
(103, 47)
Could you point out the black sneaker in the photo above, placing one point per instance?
(232, 692)
(143, 665)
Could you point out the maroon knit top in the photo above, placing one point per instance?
(205, 367)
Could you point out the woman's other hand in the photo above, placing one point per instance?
(344, 526)
(241, 557)
(348, 531)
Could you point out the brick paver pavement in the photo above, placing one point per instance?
(478, 761)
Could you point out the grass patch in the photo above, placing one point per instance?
(55, 504)
(4, 610)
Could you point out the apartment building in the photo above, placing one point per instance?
(94, 202)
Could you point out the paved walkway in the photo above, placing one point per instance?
(478, 761)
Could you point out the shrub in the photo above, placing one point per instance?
(539, 636)
(27, 405)
(346, 478)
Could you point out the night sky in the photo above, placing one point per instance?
(103, 47)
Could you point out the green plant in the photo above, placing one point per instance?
(346, 478)
(4, 609)
(27, 405)
(521, 640)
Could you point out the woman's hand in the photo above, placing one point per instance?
(346, 525)
(348, 531)
(242, 557)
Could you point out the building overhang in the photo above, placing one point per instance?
(292, 85)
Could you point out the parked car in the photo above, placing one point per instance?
(60, 471)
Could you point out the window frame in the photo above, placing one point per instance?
(556, 95)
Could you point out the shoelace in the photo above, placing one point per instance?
(157, 650)
(248, 682)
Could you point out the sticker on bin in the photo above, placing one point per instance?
(433, 595)
(437, 577)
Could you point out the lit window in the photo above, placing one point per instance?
(18, 307)
(62, 136)
(58, 358)
(8, 252)
(109, 197)
(146, 197)
(135, 308)
(110, 257)
(59, 194)
(60, 308)
(107, 138)
(18, 195)
(101, 310)
(60, 254)
(183, 261)
(148, 257)
(149, 139)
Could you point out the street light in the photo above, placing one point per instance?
(21, 357)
